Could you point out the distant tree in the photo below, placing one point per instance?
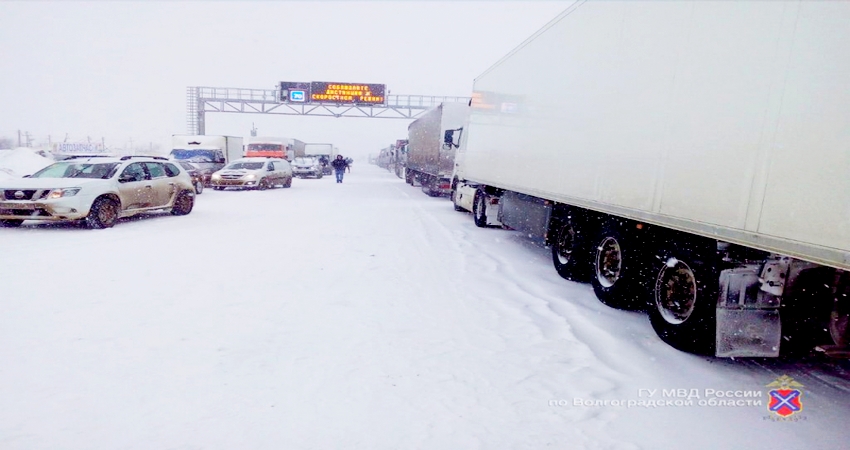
(7, 142)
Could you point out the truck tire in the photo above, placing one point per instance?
(683, 305)
(479, 209)
(183, 204)
(570, 252)
(615, 263)
(103, 213)
(11, 223)
(454, 195)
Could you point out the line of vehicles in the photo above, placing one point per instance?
(98, 189)
(211, 154)
(698, 175)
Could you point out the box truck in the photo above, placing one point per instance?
(325, 152)
(428, 159)
(209, 153)
(691, 159)
(274, 147)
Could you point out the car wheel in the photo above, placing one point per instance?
(288, 182)
(183, 204)
(11, 223)
(199, 187)
(263, 185)
(103, 214)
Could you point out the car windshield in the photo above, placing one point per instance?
(304, 161)
(194, 155)
(246, 166)
(77, 170)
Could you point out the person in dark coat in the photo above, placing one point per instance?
(339, 166)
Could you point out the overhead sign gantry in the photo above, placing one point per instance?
(314, 98)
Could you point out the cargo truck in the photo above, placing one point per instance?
(274, 147)
(209, 153)
(428, 159)
(690, 159)
(325, 152)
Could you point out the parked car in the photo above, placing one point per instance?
(253, 173)
(196, 174)
(307, 166)
(97, 191)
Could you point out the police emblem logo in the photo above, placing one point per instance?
(785, 398)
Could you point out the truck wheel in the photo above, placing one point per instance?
(615, 276)
(103, 214)
(408, 176)
(454, 203)
(684, 300)
(183, 204)
(570, 254)
(11, 223)
(479, 209)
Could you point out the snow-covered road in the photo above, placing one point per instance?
(362, 315)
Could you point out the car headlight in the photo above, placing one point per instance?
(65, 192)
(250, 176)
(216, 176)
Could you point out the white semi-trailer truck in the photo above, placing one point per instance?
(689, 158)
(428, 159)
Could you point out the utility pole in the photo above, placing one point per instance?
(19, 138)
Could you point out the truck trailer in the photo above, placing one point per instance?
(688, 159)
(429, 160)
(209, 153)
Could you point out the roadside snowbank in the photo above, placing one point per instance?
(21, 161)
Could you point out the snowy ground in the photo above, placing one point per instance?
(364, 315)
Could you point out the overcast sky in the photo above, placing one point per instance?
(119, 70)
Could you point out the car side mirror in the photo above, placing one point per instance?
(26, 176)
(126, 177)
(270, 169)
(220, 161)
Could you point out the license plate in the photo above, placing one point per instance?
(17, 206)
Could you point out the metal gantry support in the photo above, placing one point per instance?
(201, 100)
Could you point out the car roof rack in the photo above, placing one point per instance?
(86, 157)
(125, 158)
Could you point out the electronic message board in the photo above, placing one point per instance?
(356, 93)
(329, 92)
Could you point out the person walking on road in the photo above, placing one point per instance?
(339, 166)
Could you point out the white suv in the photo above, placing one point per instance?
(254, 173)
(97, 191)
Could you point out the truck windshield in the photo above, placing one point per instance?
(265, 147)
(195, 155)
